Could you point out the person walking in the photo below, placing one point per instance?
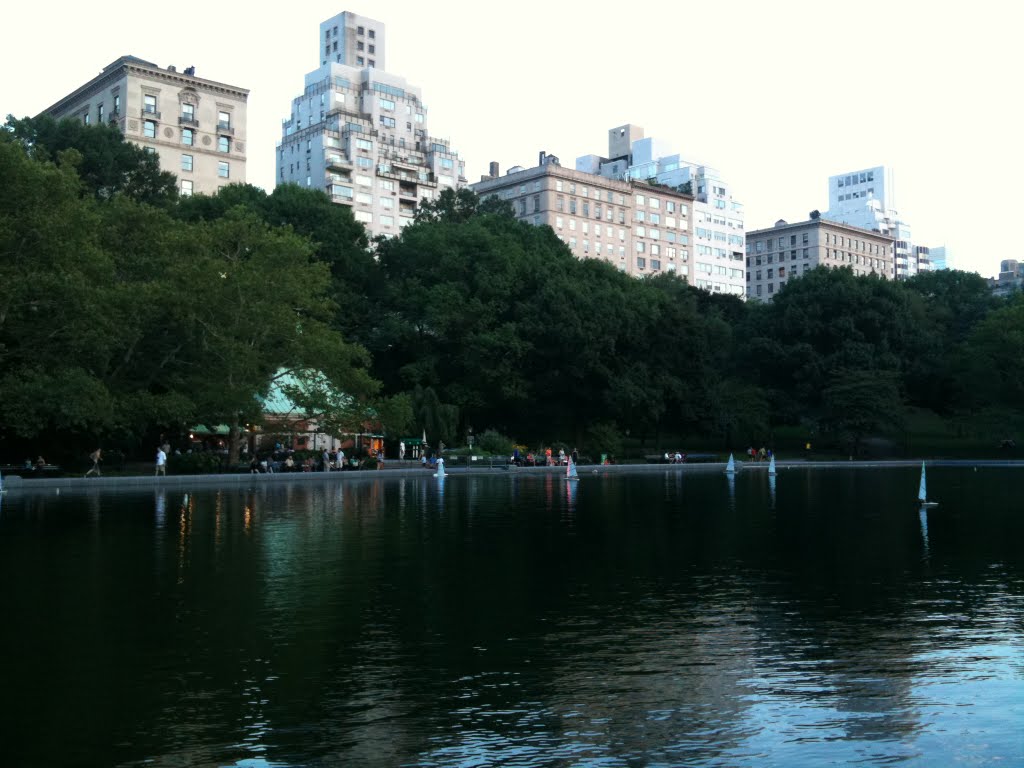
(161, 462)
(97, 457)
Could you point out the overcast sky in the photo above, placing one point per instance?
(778, 96)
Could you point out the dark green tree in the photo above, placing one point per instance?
(105, 161)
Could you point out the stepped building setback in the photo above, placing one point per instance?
(784, 252)
(361, 135)
(195, 126)
(865, 199)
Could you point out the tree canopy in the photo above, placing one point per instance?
(125, 311)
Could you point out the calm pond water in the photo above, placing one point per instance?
(637, 620)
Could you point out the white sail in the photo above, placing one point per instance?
(922, 489)
(771, 466)
(440, 469)
(731, 466)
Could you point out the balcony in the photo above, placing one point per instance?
(226, 129)
(150, 114)
(183, 120)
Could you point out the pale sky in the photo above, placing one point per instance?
(777, 95)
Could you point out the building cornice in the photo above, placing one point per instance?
(818, 223)
(129, 65)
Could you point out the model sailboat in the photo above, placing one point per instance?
(570, 470)
(730, 468)
(922, 490)
(440, 469)
(771, 466)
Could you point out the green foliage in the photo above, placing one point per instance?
(196, 463)
(106, 329)
(492, 442)
(860, 402)
(106, 163)
(125, 313)
(604, 437)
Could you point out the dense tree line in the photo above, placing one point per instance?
(126, 311)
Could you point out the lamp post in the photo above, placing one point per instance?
(469, 437)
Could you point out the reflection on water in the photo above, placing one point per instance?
(660, 619)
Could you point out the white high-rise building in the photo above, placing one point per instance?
(865, 199)
(719, 241)
(360, 134)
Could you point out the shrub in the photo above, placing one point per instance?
(200, 463)
(493, 442)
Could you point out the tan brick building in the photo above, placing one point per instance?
(785, 251)
(640, 228)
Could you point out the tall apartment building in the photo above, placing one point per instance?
(195, 126)
(361, 134)
(639, 228)
(718, 226)
(865, 199)
(784, 252)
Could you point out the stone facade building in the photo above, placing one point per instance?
(641, 229)
(195, 126)
(784, 252)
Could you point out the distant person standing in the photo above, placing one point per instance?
(97, 457)
(401, 450)
(161, 462)
(327, 460)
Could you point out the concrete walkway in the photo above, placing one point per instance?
(15, 484)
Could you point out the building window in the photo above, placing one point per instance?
(186, 162)
(86, 118)
(148, 129)
(641, 262)
(99, 113)
(359, 60)
(223, 144)
(149, 104)
(117, 104)
(373, 34)
(360, 30)
(188, 137)
(186, 187)
(224, 170)
(188, 112)
(224, 120)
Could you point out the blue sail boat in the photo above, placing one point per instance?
(922, 491)
(570, 470)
